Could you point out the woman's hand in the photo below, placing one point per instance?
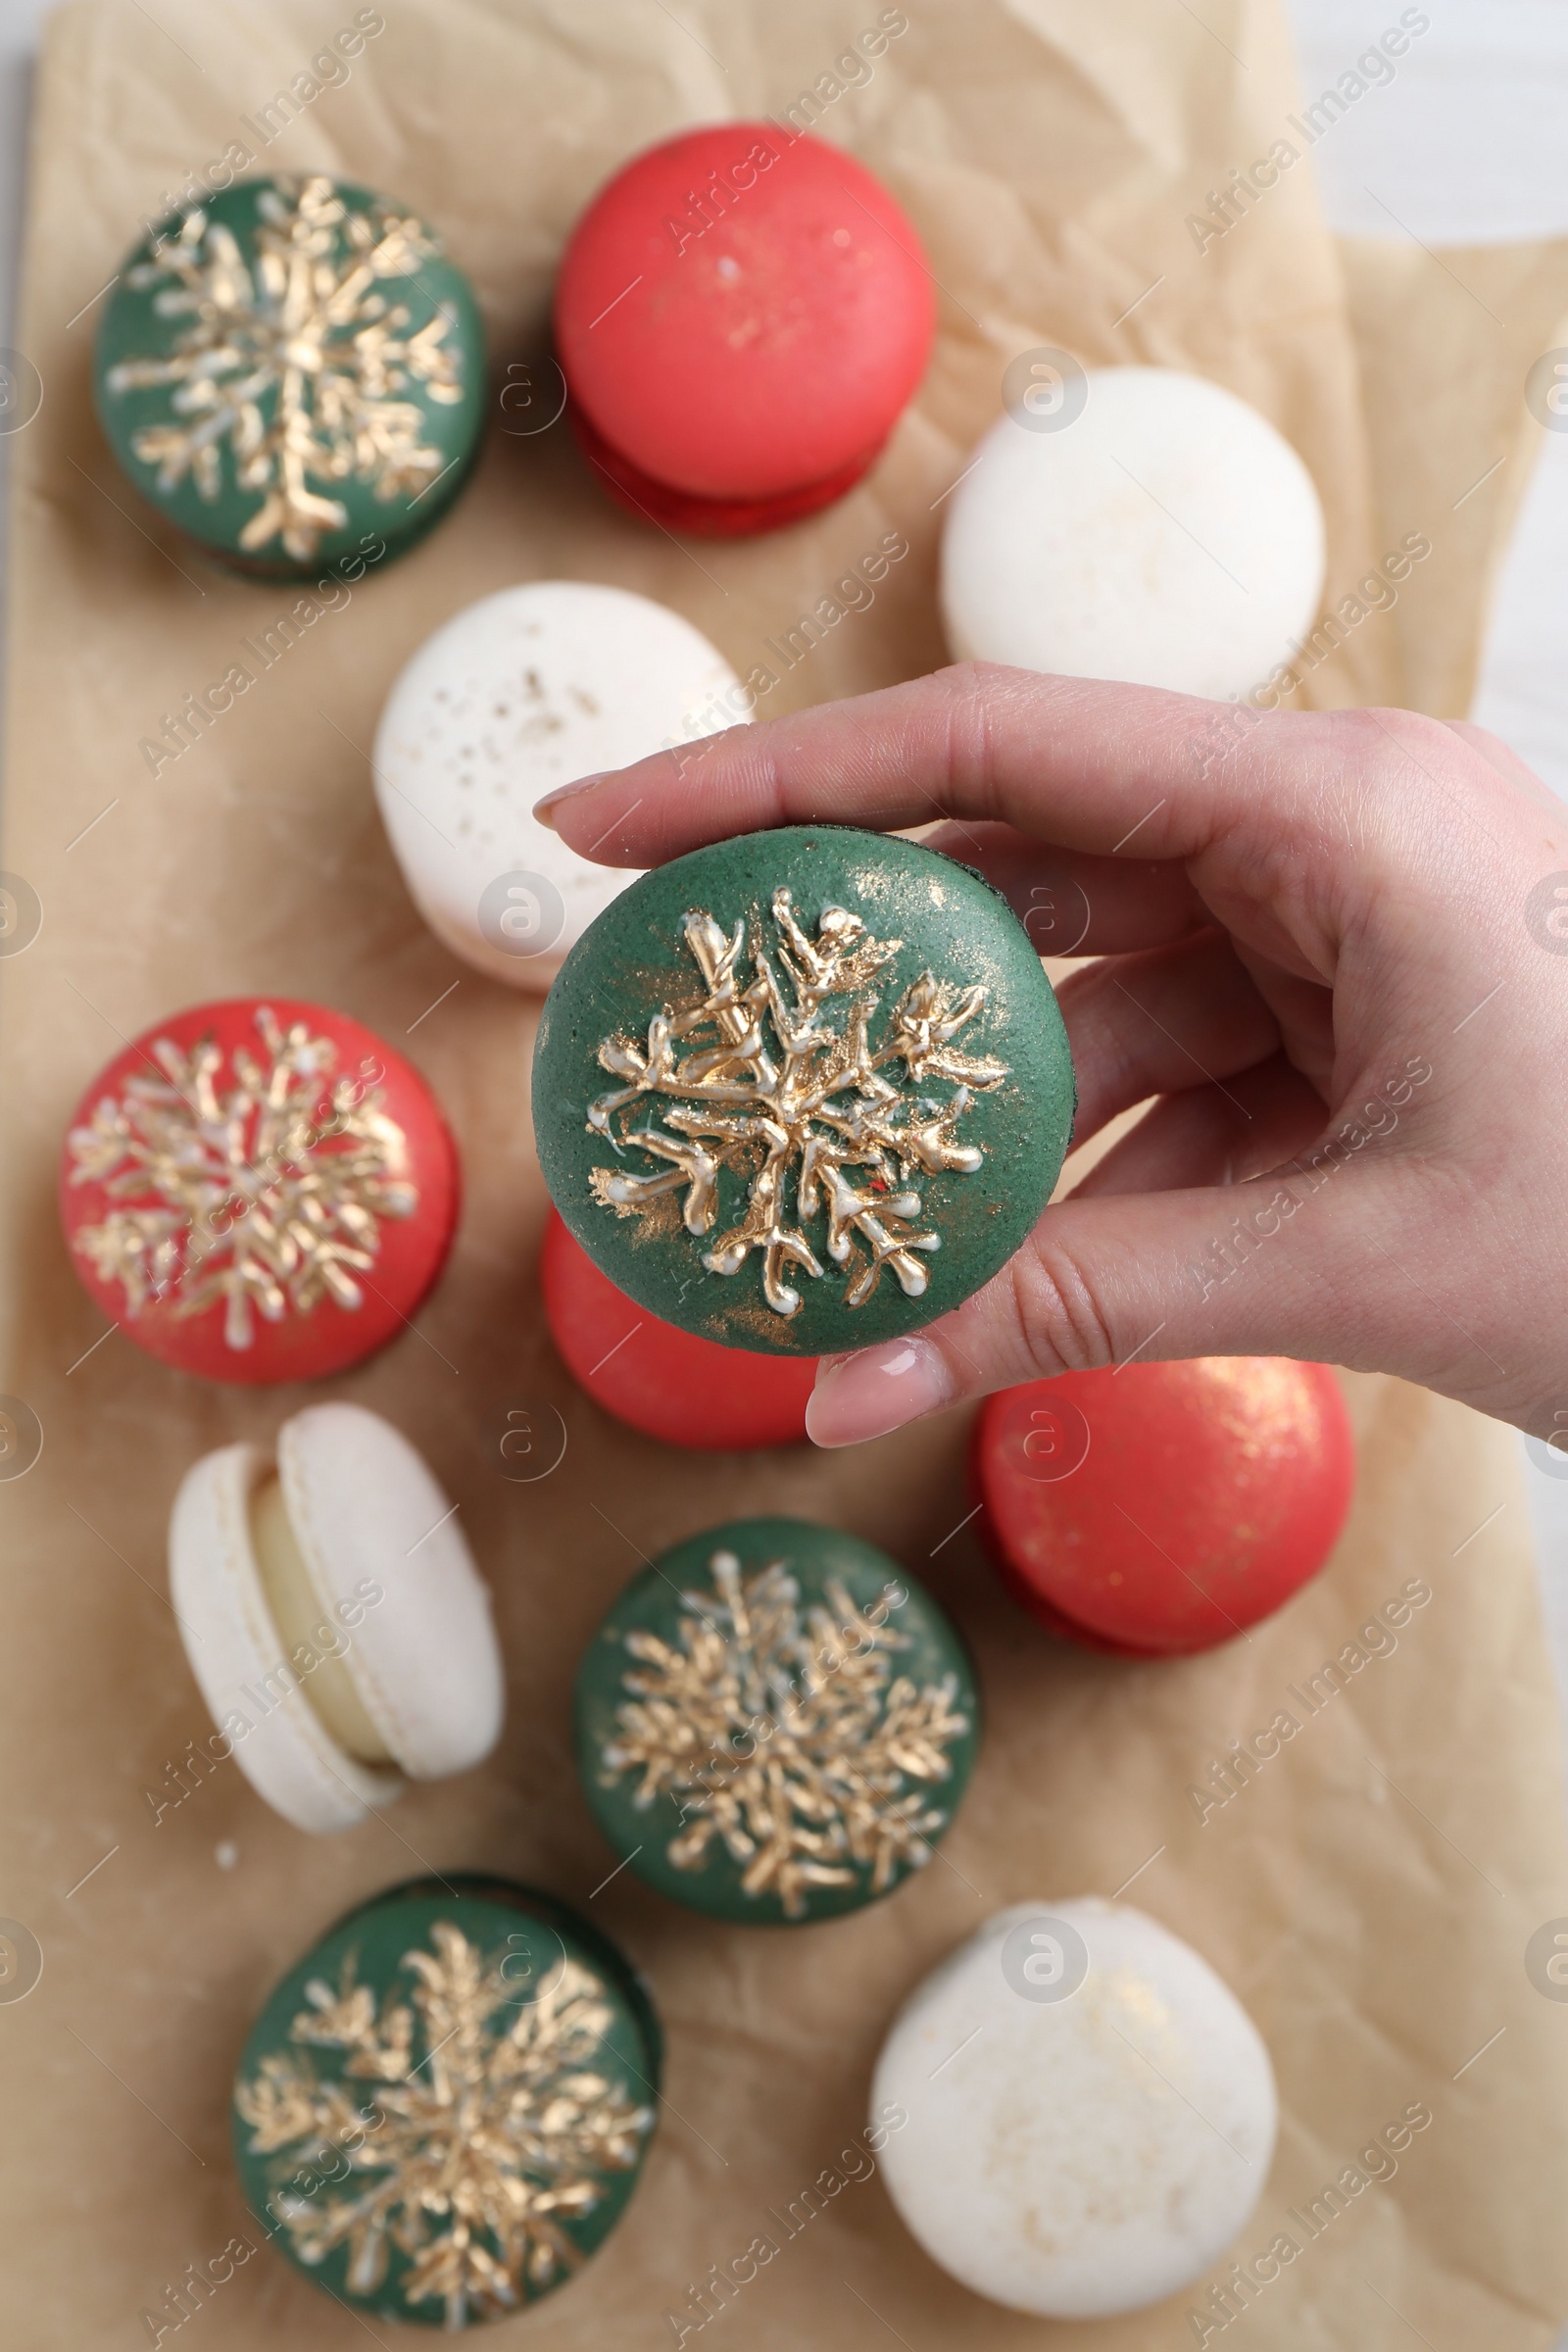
(1331, 952)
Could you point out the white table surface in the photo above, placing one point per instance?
(1467, 145)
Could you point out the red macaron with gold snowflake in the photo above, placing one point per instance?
(258, 1189)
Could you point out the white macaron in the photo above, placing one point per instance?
(1091, 2112)
(1162, 532)
(333, 1617)
(526, 690)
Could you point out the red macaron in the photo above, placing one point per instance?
(1156, 1509)
(258, 1189)
(742, 315)
(667, 1382)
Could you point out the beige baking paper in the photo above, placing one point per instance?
(1446, 342)
(1369, 1896)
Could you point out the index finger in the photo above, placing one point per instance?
(1090, 765)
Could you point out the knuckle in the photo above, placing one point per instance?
(1062, 1323)
(1359, 776)
(977, 707)
(1389, 743)
(965, 693)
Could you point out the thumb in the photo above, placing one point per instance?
(1280, 1265)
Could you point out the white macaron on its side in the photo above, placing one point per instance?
(1091, 2112)
(526, 690)
(333, 1617)
(1162, 532)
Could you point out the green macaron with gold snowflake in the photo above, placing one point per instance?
(292, 373)
(803, 1089)
(442, 2108)
(775, 1723)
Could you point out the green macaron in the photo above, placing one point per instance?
(803, 1089)
(292, 373)
(775, 1723)
(442, 2108)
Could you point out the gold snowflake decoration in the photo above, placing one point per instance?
(775, 1088)
(262, 1186)
(788, 1740)
(295, 356)
(498, 2119)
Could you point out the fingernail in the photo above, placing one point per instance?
(565, 792)
(864, 1396)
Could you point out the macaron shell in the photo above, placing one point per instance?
(1056, 1622)
(662, 1380)
(1167, 535)
(365, 1511)
(359, 1202)
(765, 351)
(236, 1656)
(926, 923)
(1023, 1587)
(1213, 1489)
(526, 690)
(489, 2187)
(1080, 2156)
(652, 500)
(396, 439)
(814, 1836)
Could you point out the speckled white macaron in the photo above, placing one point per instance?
(526, 690)
(333, 1617)
(1163, 533)
(1090, 2111)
